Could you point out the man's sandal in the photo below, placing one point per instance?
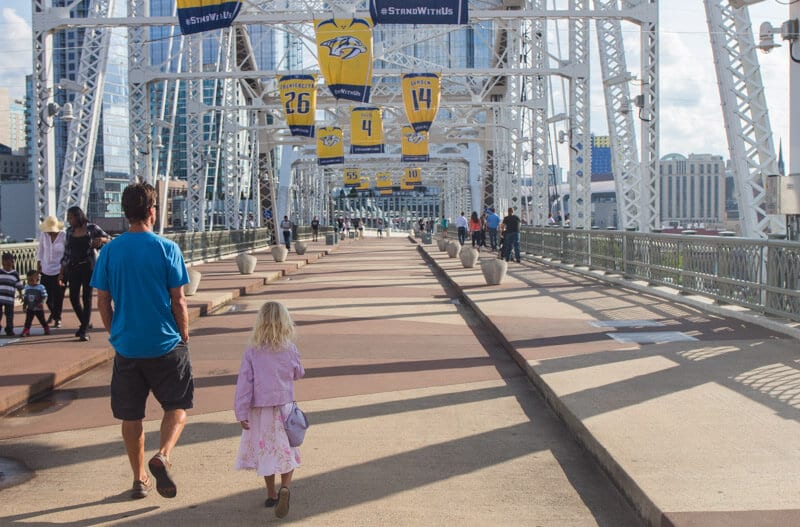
(159, 467)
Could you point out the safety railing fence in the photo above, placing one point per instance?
(196, 246)
(763, 275)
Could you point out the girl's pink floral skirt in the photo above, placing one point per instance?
(265, 447)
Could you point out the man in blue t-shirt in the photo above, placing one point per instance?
(139, 277)
(492, 223)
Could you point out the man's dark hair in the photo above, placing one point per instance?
(7, 256)
(137, 199)
(32, 272)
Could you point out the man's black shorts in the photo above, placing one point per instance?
(169, 377)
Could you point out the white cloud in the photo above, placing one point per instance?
(16, 58)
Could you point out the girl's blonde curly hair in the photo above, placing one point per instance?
(274, 327)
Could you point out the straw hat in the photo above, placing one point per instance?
(51, 224)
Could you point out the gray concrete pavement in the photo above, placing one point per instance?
(419, 417)
(693, 414)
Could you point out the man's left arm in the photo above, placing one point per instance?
(104, 306)
(180, 311)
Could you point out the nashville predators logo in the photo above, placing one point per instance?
(345, 47)
(414, 138)
(330, 140)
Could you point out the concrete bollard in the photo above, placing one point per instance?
(494, 270)
(279, 253)
(194, 282)
(442, 244)
(246, 263)
(469, 257)
(300, 248)
(453, 249)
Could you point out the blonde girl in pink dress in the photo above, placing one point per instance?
(264, 395)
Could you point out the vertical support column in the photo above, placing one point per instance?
(285, 179)
(229, 130)
(44, 163)
(650, 215)
(794, 98)
(473, 178)
(580, 148)
(138, 92)
(195, 137)
(266, 170)
(541, 129)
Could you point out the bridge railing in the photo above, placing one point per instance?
(763, 275)
(196, 246)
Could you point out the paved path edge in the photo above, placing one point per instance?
(639, 500)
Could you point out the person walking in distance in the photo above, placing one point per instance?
(492, 223)
(264, 396)
(444, 224)
(139, 279)
(286, 229)
(82, 240)
(511, 228)
(315, 228)
(475, 230)
(49, 252)
(461, 225)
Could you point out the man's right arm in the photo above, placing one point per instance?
(180, 311)
(104, 306)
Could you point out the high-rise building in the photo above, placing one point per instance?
(110, 170)
(692, 191)
(601, 158)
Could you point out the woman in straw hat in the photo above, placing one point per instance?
(48, 262)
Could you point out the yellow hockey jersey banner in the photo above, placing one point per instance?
(344, 51)
(366, 131)
(414, 146)
(196, 16)
(299, 100)
(411, 178)
(330, 146)
(421, 94)
(363, 183)
(352, 177)
(383, 179)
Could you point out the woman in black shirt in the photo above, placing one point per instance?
(83, 238)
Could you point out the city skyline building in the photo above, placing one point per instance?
(693, 191)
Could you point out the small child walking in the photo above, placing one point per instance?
(34, 296)
(264, 396)
(9, 285)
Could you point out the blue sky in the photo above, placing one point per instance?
(690, 109)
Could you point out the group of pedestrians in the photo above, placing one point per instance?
(63, 259)
(503, 233)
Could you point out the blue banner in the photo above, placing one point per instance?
(419, 11)
(196, 16)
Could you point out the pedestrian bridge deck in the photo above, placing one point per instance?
(692, 414)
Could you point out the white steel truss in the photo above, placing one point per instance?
(744, 110)
(231, 136)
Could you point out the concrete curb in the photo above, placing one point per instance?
(640, 501)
